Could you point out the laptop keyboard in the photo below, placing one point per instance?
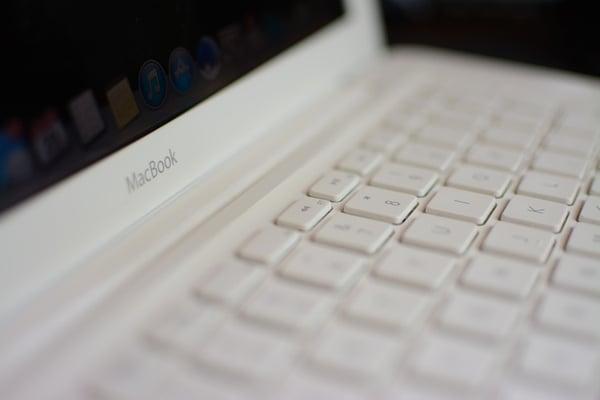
(454, 252)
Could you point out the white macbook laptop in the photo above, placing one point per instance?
(259, 200)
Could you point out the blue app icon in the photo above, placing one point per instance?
(152, 82)
(208, 57)
(16, 164)
(181, 70)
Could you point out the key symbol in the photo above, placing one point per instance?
(535, 210)
(523, 239)
(462, 202)
(480, 177)
(305, 209)
(367, 197)
(343, 227)
(441, 230)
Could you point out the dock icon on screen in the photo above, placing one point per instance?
(122, 103)
(86, 116)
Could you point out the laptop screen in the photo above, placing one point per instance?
(83, 79)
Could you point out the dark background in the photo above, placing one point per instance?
(556, 33)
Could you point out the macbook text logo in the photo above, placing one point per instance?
(155, 168)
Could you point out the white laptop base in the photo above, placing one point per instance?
(440, 238)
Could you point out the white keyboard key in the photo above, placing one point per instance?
(595, 188)
(288, 306)
(528, 108)
(230, 281)
(583, 125)
(269, 245)
(460, 204)
(182, 325)
(519, 241)
(440, 233)
(578, 273)
(450, 123)
(569, 144)
(404, 178)
(178, 384)
(324, 267)
(483, 316)
(509, 138)
(453, 361)
(494, 157)
(360, 161)
(590, 213)
(558, 163)
(500, 276)
(557, 360)
(443, 135)
(403, 118)
(385, 140)
(355, 351)
(519, 122)
(334, 186)
(479, 179)
(134, 373)
(537, 213)
(184, 384)
(244, 350)
(585, 239)
(425, 156)
(141, 374)
(381, 204)
(388, 305)
(464, 104)
(571, 313)
(415, 267)
(305, 384)
(549, 187)
(414, 389)
(304, 214)
(520, 104)
(354, 233)
(517, 390)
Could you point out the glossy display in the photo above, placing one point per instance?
(83, 79)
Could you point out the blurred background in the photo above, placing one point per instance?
(556, 33)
